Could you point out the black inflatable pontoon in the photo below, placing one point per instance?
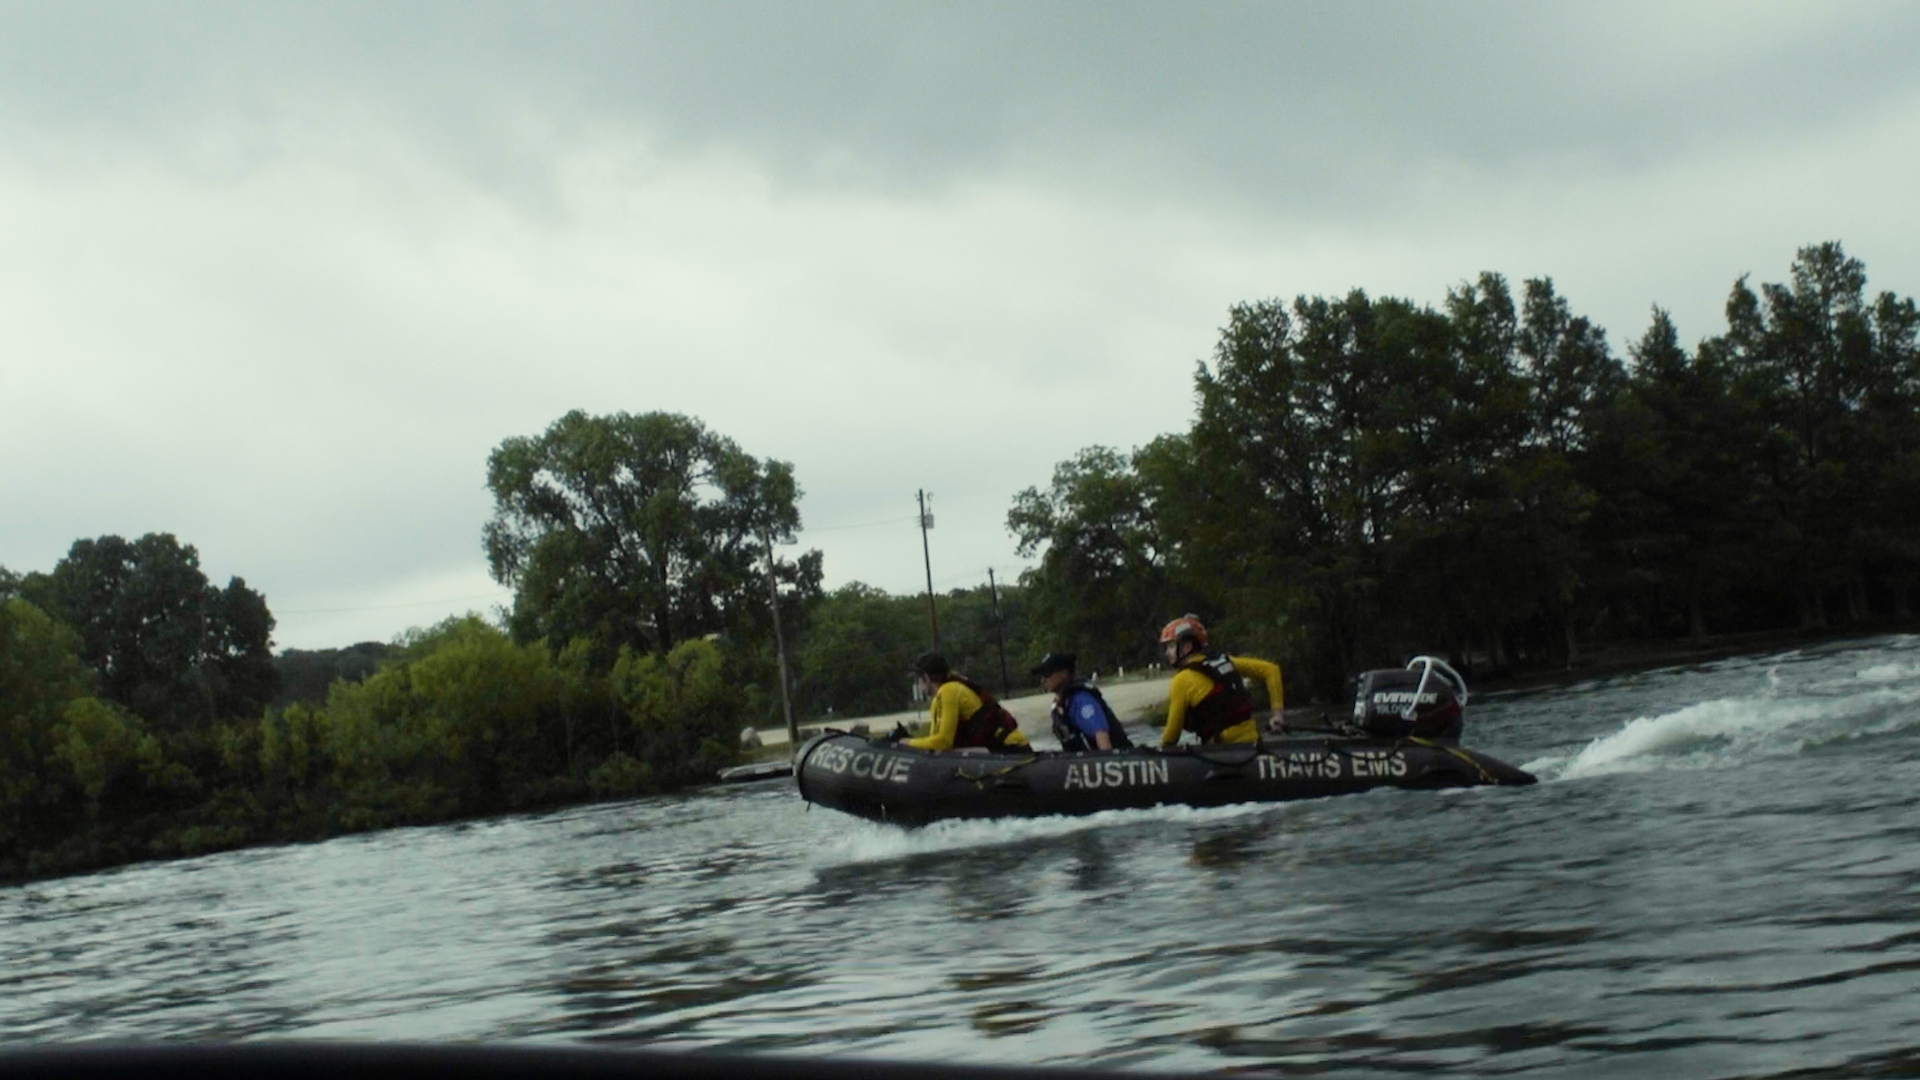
(1404, 727)
(885, 782)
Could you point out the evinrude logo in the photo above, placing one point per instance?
(1403, 698)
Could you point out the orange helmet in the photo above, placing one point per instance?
(1186, 626)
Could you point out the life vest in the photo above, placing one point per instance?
(1071, 737)
(1227, 704)
(989, 725)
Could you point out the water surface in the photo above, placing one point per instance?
(1719, 876)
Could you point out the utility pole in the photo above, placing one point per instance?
(780, 643)
(926, 522)
(999, 635)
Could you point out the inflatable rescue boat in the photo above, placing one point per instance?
(1405, 732)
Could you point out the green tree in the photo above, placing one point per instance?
(66, 757)
(1103, 585)
(493, 708)
(1574, 386)
(856, 658)
(637, 531)
(1571, 374)
(1890, 529)
(102, 746)
(41, 674)
(1495, 408)
(1364, 478)
(685, 709)
(1805, 352)
(463, 721)
(306, 675)
(1452, 415)
(1677, 527)
(169, 646)
(970, 637)
(1308, 430)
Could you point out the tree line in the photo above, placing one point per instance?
(143, 713)
(1364, 478)
(1369, 478)
(452, 721)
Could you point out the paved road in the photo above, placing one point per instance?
(1128, 699)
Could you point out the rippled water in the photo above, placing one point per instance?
(1720, 876)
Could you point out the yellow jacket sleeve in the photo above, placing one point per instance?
(1266, 671)
(951, 703)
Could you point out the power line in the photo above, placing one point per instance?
(393, 607)
(970, 575)
(863, 525)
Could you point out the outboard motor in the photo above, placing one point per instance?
(1427, 699)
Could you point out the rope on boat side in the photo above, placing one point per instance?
(1485, 776)
(979, 780)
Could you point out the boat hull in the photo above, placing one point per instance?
(886, 782)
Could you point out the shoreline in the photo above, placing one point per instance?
(1607, 661)
(1030, 709)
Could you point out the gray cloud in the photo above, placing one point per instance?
(278, 277)
(1267, 101)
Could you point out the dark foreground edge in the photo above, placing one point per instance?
(517, 1062)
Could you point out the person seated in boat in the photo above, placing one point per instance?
(1082, 719)
(963, 714)
(1208, 695)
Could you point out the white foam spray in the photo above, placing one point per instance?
(870, 843)
(1782, 718)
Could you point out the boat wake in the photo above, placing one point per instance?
(866, 843)
(1781, 718)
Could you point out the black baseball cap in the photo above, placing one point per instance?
(1052, 662)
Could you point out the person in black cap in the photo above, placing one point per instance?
(1082, 720)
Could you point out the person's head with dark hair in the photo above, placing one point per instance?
(933, 666)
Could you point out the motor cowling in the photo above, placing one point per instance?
(1426, 699)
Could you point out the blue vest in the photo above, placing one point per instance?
(1070, 735)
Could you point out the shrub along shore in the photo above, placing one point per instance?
(463, 722)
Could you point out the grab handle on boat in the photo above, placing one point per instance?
(1430, 667)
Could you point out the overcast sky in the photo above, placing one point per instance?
(276, 278)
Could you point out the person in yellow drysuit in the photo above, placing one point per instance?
(963, 714)
(1208, 695)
